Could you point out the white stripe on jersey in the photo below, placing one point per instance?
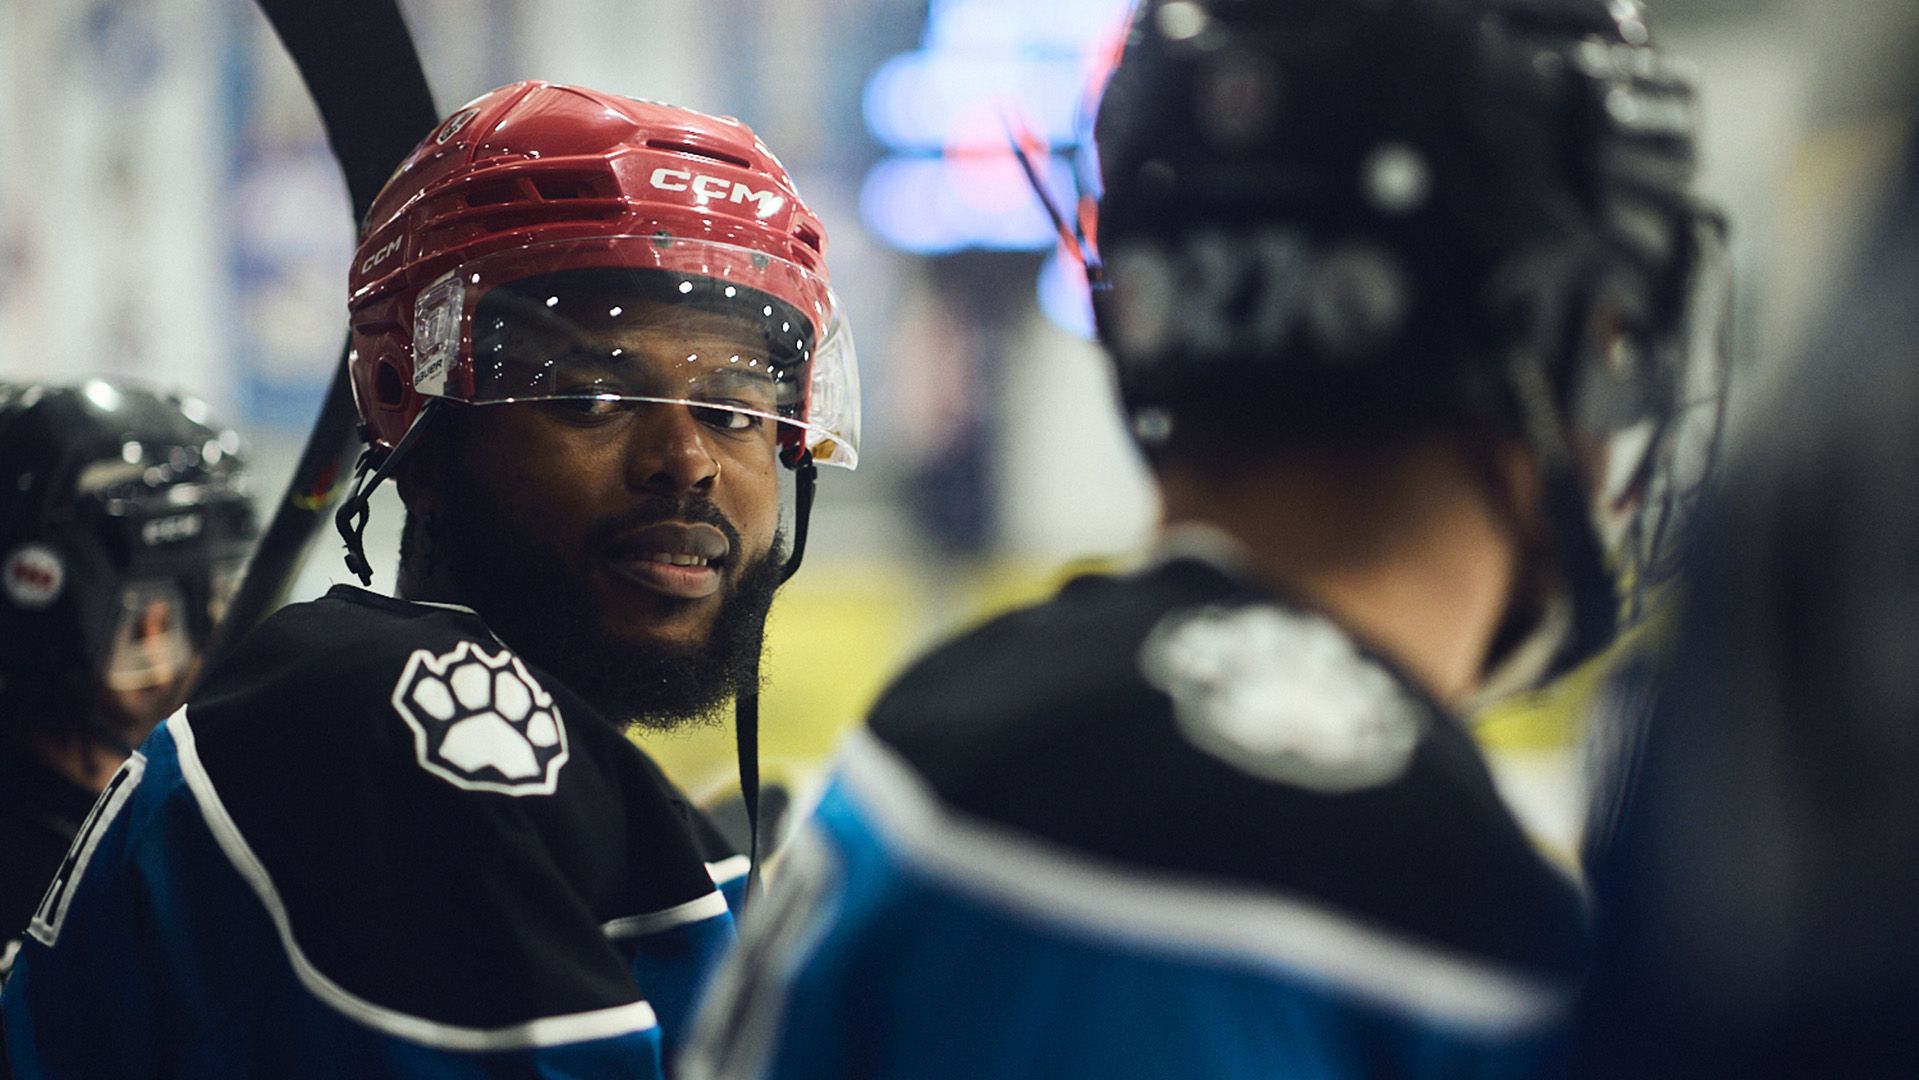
(540, 1031)
(1224, 922)
(694, 910)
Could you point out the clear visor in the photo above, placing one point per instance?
(153, 640)
(646, 319)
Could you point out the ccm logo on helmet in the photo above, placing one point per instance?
(381, 255)
(453, 125)
(714, 187)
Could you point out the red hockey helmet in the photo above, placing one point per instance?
(508, 253)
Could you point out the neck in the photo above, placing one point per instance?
(1407, 550)
(424, 574)
(87, 764)
(411, 584)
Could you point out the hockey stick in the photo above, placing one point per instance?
(1031, 152)
(358, 61)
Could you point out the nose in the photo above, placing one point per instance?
(668, 452)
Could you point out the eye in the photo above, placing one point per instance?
(727, 419)
(590, 408)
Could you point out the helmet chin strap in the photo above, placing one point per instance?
(1584, 617)
(746, 705)
(374, 467)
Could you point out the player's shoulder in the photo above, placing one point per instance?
(331, 649)
(1186, 672)
(365, 683)
(1038, 674)
(358, 711)
(1158, 723)
(417, 794)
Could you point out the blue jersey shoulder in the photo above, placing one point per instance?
(1162, 721)
(905, 941)
(317, 894)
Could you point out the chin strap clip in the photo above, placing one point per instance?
(374, 466)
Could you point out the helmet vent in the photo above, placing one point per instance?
(699, 152)
(538, 189)
(495, 194)
(564, 187)
(808, 237)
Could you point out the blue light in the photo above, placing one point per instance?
(952, 182)
(900, 202)
(930, 205)
(926, 100)
(1069, 25)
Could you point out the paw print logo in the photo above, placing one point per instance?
(481, 722)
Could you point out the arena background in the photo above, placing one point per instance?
(169, 213)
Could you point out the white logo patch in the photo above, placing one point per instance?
(1283, 696)
(482, 722)
(34, 576)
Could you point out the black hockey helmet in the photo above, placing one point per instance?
(124, 526)
(1394, 213)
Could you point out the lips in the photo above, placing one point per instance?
(677, 560)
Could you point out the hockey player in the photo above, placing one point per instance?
(1387, 277)
(124, 523)
(408, 836)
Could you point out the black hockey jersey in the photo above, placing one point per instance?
(1171, 825)
(376, 843)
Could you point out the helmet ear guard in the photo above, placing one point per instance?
(389, 389)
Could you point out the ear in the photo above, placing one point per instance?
(1516, 479)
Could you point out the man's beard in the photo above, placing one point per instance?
(549, 618)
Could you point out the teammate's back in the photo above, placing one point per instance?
(1371, 271)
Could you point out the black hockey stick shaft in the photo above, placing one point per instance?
(358, 62)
